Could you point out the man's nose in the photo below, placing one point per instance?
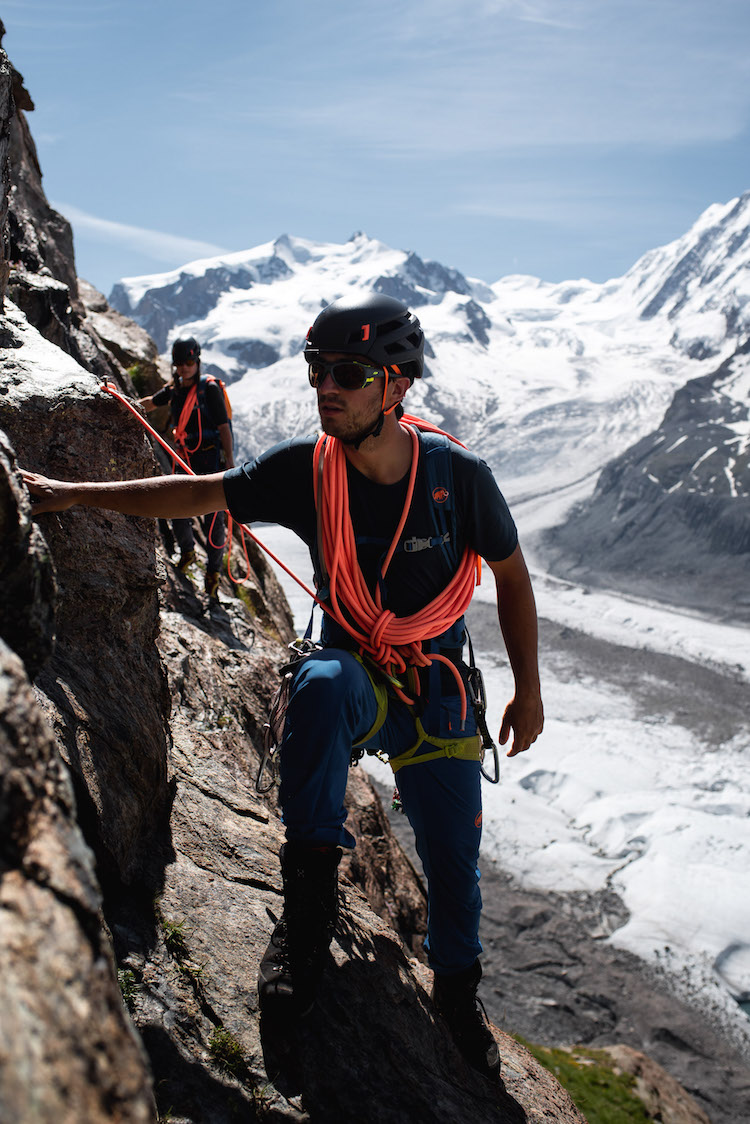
(327, 379)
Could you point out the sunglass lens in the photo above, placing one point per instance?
(349, 376)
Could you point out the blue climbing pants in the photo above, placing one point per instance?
(333, 706)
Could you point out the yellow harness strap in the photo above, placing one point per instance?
(469, 749)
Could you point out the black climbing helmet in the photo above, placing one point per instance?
(186, 351)
(376, 327)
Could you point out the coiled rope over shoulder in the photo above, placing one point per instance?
(394, 643)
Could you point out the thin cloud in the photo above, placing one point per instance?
(169, 248)
(501, 76)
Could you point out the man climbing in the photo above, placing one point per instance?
(203, 437)
(396, 519)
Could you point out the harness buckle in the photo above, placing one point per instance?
(414, 544)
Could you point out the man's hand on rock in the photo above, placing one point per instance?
(48, 495)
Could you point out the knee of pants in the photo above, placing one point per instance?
(332, 691)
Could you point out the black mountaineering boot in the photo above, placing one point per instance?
(293, 963)
(456, 999)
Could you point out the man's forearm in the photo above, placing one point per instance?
(524, 714)
(162, 497)
(518, 623)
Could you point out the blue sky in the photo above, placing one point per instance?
(560, 138)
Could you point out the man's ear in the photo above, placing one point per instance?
(397, 388)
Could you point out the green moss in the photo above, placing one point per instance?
(603, 1096)
(226, 1050)
(128, 986)
(244, 596)
(174, 938)
(139, 380)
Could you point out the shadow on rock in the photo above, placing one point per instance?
(372, 1049)
(186, 1088)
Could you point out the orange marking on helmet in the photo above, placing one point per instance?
(365, 333)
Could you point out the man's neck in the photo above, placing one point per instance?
(385, 459)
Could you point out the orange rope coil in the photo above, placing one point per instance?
(394, 643)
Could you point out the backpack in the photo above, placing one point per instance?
(203, 382)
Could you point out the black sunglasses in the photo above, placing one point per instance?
(348, 374)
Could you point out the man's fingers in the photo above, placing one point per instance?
(47, 495)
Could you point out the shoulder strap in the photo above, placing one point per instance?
(206, 380)
(209, 424)
(438, 467)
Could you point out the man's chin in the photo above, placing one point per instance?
(346, 436)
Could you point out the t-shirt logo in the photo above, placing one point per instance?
(440, 494)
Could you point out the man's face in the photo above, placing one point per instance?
(186, 372)
(348, 414)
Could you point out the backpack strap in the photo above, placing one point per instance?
(438, 467)
(210, 427)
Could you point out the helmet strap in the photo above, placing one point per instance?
(378, 427)
(397, 372)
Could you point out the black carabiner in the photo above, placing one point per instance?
(478, 698)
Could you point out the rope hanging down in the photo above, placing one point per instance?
(180, 431)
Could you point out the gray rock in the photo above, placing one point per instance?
(26, 577)
(67, 1046)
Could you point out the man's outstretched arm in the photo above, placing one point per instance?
(516, 609)
(161, 497)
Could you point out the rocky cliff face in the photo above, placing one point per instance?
(671, 515)
(134, 847)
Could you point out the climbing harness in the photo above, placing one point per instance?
(478, 697)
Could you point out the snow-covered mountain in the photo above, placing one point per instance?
(671, 515)
(547, 380)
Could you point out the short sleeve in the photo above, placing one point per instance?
(488, 525)
(276, 487)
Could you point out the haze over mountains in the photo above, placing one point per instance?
(550, 382)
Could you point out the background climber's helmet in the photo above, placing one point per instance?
(186, 351)
(376, 327)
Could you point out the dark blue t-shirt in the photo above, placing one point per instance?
(277, 487)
